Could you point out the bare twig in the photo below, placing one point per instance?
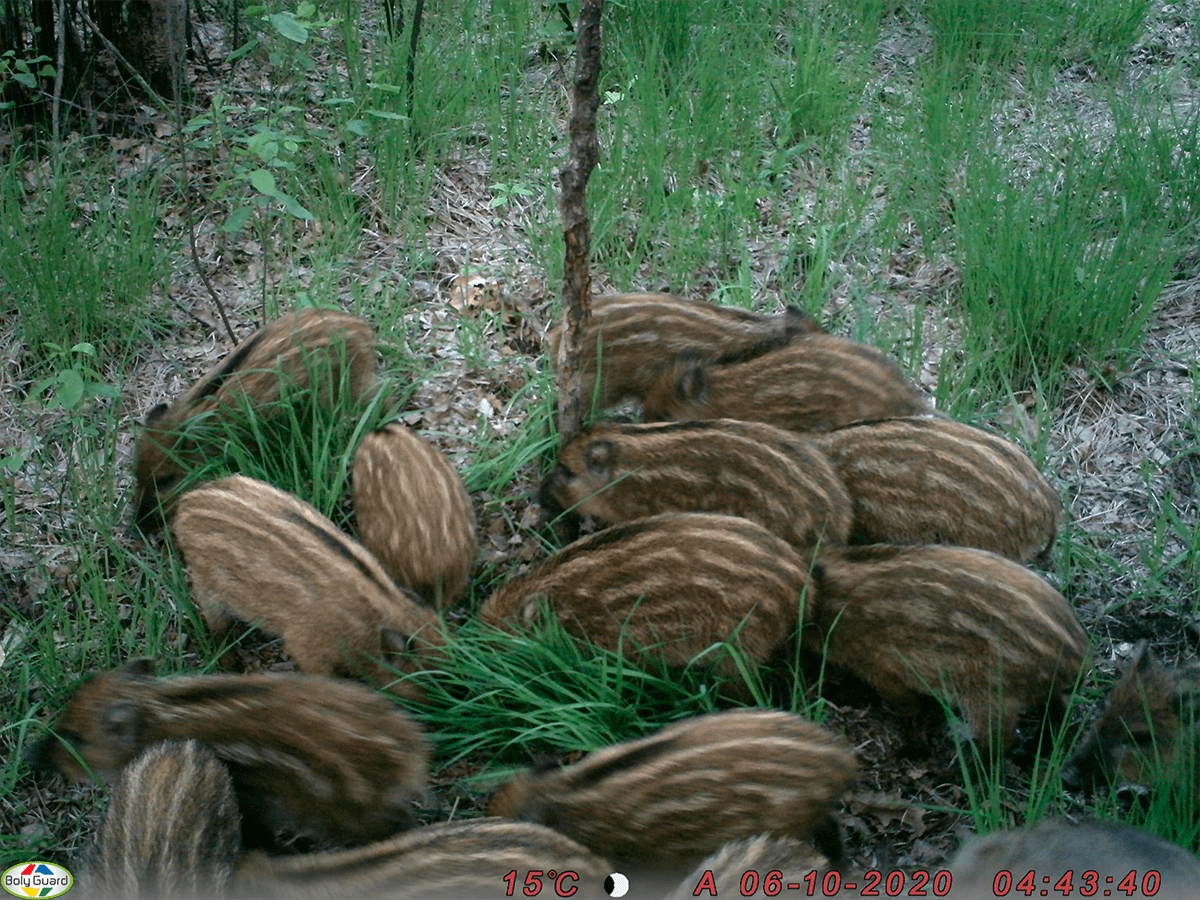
(572, 207)
(196, 43)
(191, 220)
(192, 231)
(195, 318)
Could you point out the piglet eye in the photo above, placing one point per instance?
(1143, 740)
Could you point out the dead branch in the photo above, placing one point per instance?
(572, 207)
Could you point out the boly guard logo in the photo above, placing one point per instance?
(37, 879)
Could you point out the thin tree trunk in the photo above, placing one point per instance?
(153, 39)
(572, 207)
(411, 68)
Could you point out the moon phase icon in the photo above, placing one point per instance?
(616, 885)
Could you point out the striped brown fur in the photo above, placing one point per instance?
(790, 858)
(816, 383)
(969, 626)
(1109, 849)
(616, 473)
(664, 802)
(936, 481)
(634, 335)
(1148, 716)
(172, 829)
(319, 758)
(259, 554)
(673, 583)
(413, 513)
(282, 352)
(454, 860)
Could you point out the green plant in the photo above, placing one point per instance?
(282, 165)
(1056, 272)
(269, 146)
(78, 257)
(812, 93)
(22, 71)
(1169, 551)
(1101, 33)
(499, 458)
(986, 34)
(933, 141)
(997, 800)
(74, 379)
(1155, 169)
(514, 695)
(295, 29)
(503, 195)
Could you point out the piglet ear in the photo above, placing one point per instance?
(141, 666)
(122, 724)
(1142, 660)
(797, 321)
(692, 385)
(600, 457)
(394, 641)
(546, 762)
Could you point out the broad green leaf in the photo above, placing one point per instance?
(237, 219)
(287, 25)
(41, 387)
(101, 389)
(242, 50)
(293, 207)
(15, 462)
(263, 182)
(70, 390)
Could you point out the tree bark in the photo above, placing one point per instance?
(572, 207)
(154, 40)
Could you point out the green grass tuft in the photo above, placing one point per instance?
(511, 696)
(80, 257)
(1057, 272)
